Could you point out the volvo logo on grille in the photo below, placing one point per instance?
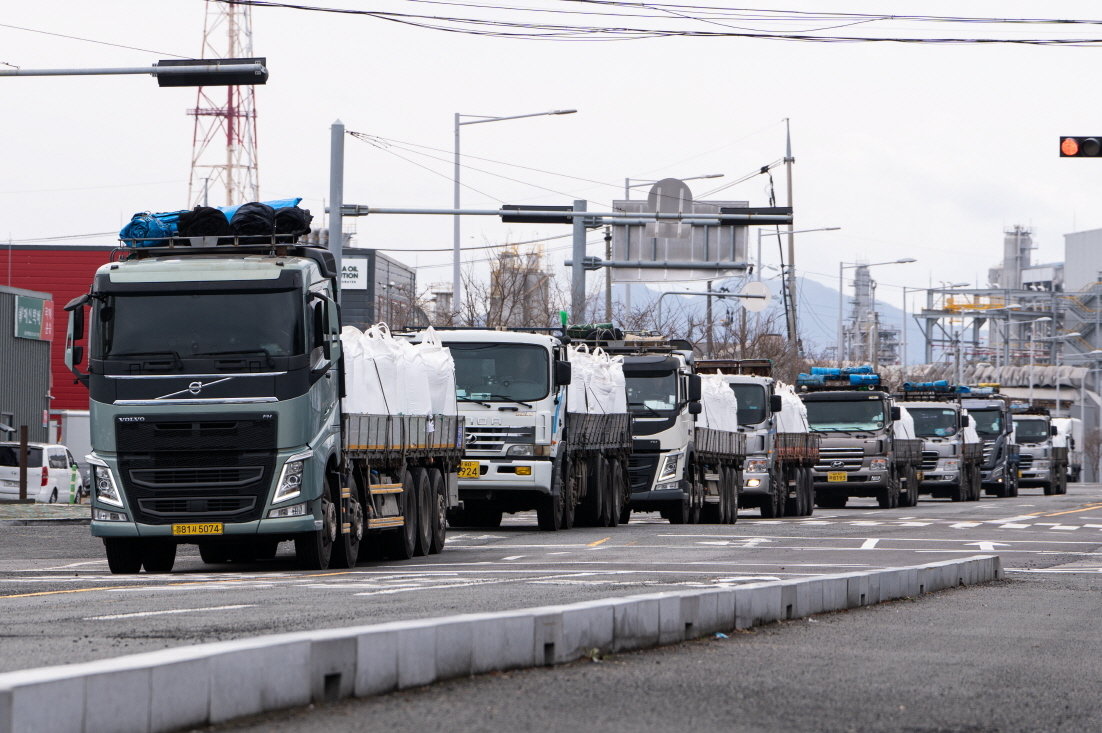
(837, 464)
(195, 387)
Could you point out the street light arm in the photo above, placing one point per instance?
(479, 119)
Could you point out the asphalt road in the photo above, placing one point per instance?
(61, 605)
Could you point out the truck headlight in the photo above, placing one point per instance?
(104, 485)
(669, 467)
(756, 465)
(949, 464)
(1040, 465)
(290, 480)
(878, 464)
(295, 510)
(521, 450)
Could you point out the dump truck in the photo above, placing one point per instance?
(1043, 452)
(781, 452)
(538, 436)
(990, 413)
(952, 452)
(862, 453)
(215, 372)
(1071, 429)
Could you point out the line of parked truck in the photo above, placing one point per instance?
(231, 408)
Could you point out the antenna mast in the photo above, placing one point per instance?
(223, 148)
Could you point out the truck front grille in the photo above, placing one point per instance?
(641, 468)
(1025, 461)
(929, 460)
(850, 458)
(482, 438)
(225, 506)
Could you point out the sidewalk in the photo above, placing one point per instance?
(30, 514)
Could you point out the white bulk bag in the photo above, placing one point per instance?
(352, 348)
(601, 389)
(384, 390)
(581, 365)
(440, 367)
(904, 427)
(793, 415)
(719, 406)
(619, 385)
(413, 373)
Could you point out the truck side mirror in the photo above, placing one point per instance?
(695, 408)
(897, 414)
(776, 404)
(694, 388)
(963, 421)
(563, 373)
(74, 354)
(1053, 431)
(320, 328)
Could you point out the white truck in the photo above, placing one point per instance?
(1043, 461)
(952, 452)
(1071, 429)
(530, 442)
(781, 451)
(686, 470)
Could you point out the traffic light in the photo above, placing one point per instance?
(1081, 147)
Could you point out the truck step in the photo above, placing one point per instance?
(384, 522)
(386, 489)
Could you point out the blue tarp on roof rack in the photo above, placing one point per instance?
(147, 229)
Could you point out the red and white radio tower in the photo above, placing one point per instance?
(223, 148)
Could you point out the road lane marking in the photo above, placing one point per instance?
(965, 525)
(513, 557)
(170, 586)
(599, 542)
(1090, 508)
(1011, 525)
(869, 544)
(140, 614)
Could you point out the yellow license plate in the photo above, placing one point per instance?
(469, 469)
(836, 476)
(193, 529)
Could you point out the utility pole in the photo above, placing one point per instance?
(708, 320)
(577, 279)
(608, 274)
(793, 334)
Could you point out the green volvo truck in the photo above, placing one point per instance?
(216, 376)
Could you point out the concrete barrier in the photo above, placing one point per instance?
(211, 683)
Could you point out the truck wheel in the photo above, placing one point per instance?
(591, 510)
(549, 508)
(1017, 484)
(346, 550)
(124, 555)
(912, 486)
(425, 501)
(569, 494)
(773, 505)
(977, 484)
(889, 495)
(1049, 488)
(438, 490)
(736, 487)
(792, 504)
(158, 556)
(614, 497)
(715, 513)
(313, 549)
(809, 490)
(402, 542)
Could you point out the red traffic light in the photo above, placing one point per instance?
(1080, 147)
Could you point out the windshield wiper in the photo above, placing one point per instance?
(503, 398)
(472, 399)
(644, 405)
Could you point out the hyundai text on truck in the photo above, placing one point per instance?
(524, 448)
(952, 452)
(685, 471)
(780, 452)
(861, 453)
(215, 382)
(1043, 452)
(990, 413)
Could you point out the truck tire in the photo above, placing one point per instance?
(793, 505)
(977, 484)
(614, 497)
(313, 549)
(716, 513)
(425, 502)
(438, 490)
(124, 556)
(911, 481)
(773, 505)
(591, 509)
(1049, 487)
(889, 495)
(158, 556)
(569, 494)
(401, 543)
(350, 524)
(549, 507)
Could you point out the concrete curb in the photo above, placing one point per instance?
(212, 683)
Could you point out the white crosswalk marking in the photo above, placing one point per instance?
(965, 525)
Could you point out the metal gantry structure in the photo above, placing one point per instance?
(223, 149)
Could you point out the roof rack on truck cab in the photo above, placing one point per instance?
(322, 256)
(853, 379)
(747, 367)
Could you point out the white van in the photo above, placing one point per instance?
(52, 473)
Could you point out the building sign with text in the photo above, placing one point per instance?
(34, 318)
(354, 273)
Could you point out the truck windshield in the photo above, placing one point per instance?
(650, 392)
(934, 422)
(839, 415)
(751, 403)
(1031, 431)
(989, 423)
(9, 456)
(197, 325)
(501, 372)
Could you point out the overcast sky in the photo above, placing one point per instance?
(914, 150)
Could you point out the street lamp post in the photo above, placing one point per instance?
(459, 122)
(842, 266)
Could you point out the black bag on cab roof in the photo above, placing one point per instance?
(292, 220)
(254, 220)
(203, 221)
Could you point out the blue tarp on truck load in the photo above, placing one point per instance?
(147, 229)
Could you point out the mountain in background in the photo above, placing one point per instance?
(817, 312)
